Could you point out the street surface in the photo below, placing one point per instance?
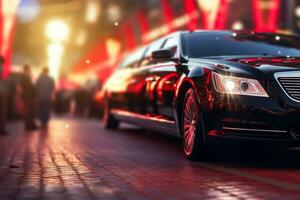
(78, 159)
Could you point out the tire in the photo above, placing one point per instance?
(192, 128)
(110, 122)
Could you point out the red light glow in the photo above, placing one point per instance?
(261, 23)
(168, 14)
(213, 13)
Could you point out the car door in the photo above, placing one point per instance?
(147, 64)
(122, 85)
(136, 86)
(164, 77)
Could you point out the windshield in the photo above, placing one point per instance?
(205, 44)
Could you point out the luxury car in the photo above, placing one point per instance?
(207, 86)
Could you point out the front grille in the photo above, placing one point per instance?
(291, 86)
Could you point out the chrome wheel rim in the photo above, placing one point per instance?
(189, 126)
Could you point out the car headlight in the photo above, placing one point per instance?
(238, 86)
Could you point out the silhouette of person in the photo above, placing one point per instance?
(45, 89)
(29, 98)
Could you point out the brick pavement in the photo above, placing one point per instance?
(78, 159)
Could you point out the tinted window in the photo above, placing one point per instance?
(153, 47)
(171, 43)
(226, 43)
(133, 60)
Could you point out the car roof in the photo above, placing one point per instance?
(234, 31)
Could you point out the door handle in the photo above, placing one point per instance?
(151, 79)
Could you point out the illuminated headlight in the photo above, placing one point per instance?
(238, 86)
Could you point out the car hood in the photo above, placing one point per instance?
(262, 67)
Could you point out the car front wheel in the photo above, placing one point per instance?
(192, 127)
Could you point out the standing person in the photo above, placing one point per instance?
(28, 97)
(44, 88)
(3, 100)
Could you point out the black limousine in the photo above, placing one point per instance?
(207, 86)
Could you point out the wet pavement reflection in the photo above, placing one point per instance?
(78, 159)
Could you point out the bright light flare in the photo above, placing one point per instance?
(113, 47)
(55, 52)
(297, 11)
(237, 25)
(92, 11)
(81, 38)
(54, 66)
(57, 30)
(114, 13)
(230, 85)
(209, 5)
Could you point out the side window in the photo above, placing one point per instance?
(153, 47)
(171, 43)
(133, 60)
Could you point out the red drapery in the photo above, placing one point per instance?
(168, 14)
(143, 23)
(191, 11)
(268, 23)
(8, 10)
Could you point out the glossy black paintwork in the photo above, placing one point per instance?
(155, 91)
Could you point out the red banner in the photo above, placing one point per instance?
(168, 14)
(192, 13)
(265, 15)
(8, 11)
(213, 13)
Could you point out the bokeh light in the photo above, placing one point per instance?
(28, 10)
(55, 52)
(92, 11)
(57, 30)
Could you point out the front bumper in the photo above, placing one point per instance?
(253, 119)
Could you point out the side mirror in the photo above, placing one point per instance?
(163, 54)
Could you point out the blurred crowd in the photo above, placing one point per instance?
(21, 98)
(81, 100)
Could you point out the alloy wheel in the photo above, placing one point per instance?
(190, 123)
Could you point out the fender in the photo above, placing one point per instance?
(195, 73)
